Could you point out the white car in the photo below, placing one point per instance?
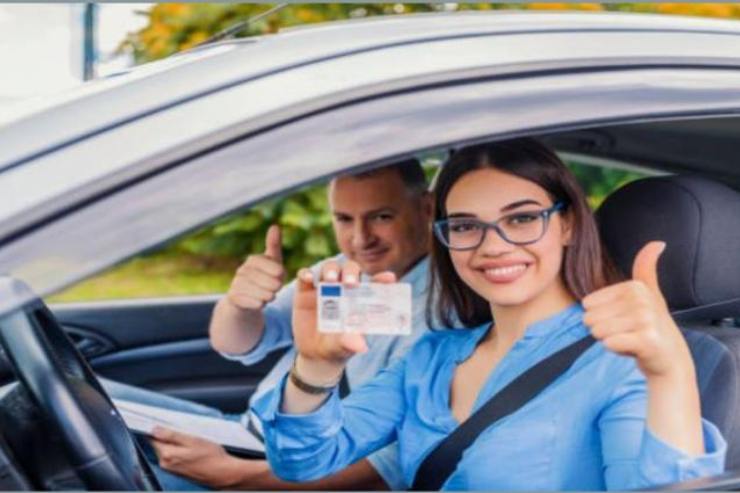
(124, 164)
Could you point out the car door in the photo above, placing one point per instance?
(161, 344)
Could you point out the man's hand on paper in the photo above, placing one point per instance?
(201, 460)
(207, 463)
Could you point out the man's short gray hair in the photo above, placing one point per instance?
(411, 172)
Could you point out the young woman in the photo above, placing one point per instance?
(517, 261)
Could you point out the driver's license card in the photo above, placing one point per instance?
(366, 308)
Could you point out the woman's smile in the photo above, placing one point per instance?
(503, 272)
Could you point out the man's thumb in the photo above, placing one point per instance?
(274, 243)
(645, 267)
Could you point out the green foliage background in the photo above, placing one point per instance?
(174, 27)
(204, 260)
(304, 219)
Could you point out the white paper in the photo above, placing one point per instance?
(143, 418)
(367, 308)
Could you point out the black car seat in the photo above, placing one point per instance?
(699, 275)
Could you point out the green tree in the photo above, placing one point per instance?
(175, 27)
(598, 182)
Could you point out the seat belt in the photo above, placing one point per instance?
(344, 385)
(441, 462)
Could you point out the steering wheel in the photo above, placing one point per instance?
(62, 385)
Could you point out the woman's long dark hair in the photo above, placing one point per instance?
(586, 266)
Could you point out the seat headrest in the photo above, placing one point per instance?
(699, 220)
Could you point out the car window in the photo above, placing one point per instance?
(93, 228)
(599, 181)
(204, 261)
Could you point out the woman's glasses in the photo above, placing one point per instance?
(518, 228)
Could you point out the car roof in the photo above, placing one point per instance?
(46, 125)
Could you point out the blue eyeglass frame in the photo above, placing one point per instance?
(545, 213)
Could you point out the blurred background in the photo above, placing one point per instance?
(48, 48)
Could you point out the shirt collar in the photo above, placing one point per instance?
(560, 322)
(417, 276)
(556, 324)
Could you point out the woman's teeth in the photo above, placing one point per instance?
(502, 271)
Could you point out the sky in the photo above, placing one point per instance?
(41, 50)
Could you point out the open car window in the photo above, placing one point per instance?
(204, 261)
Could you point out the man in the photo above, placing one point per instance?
(381, 220)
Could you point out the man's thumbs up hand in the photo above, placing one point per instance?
(274, 243)
(261, 276)
(632, 317)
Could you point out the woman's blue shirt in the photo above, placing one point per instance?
(586, 431)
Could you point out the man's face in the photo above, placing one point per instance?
(378, 222)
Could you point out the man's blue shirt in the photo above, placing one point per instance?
(586, 431)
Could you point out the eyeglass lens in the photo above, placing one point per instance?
(522, 227)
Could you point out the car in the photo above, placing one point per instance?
(122, 165)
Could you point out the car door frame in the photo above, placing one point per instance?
(142, 214)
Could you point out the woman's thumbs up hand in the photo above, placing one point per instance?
(632, 318)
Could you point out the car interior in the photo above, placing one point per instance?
(698, 276)
(52, 401)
